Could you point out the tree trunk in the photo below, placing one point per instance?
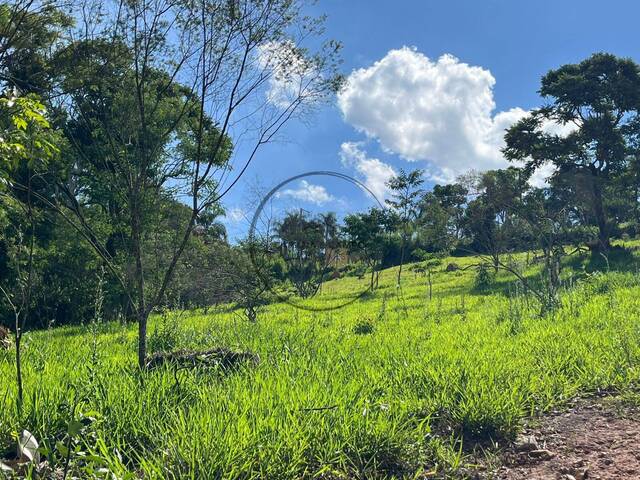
(18, 338)
(142, 311)
(601, 217)
(142, 339)
(373, 272)
(402, 248)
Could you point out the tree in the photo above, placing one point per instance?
(365, 236)
(440, 217)
(27, 145)
(489, 218)
(29, 29)
(405, 192)
(307, 246)
(331, 240)
(153, 104)
(600, 99)
(427, 262)
(551, 226)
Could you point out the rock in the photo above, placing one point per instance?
(541, 454)
(582, 474)
(28, 448)
(567, 476)
(5, 338)
(526, 443)
(452, 267)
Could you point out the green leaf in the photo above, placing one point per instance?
(62, 449)
(74, 428)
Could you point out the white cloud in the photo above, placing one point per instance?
(373, 172)
(291, 75)
(541, 175)
(438, 111)
(308, 192)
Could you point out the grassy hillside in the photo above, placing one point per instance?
(384, 387)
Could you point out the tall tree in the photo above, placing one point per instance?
(365, 237)
(489, 218)
(155, 100)
(441, 216)
(29, 30)
(307, 245)
(600, 98)
(405, 193)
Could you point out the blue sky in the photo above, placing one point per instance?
(447, 113)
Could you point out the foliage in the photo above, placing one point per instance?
(27, 138)
(309, 247)
(598, 100)
(405, 194)
(365, 237)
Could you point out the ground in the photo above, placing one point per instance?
(596, 438)
(386, 387)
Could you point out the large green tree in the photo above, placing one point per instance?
(29, 32)
(365, 235)
(490, 222)
(600, 99)
(440, 218)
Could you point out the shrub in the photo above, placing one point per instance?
(484, 278)
(363, 327)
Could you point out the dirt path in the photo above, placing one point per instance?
(595, 439)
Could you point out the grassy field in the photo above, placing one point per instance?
(386, 387)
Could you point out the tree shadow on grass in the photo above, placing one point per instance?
(619, 259)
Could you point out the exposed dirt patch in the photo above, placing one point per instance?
(594, 439)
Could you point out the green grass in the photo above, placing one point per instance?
(382, 388)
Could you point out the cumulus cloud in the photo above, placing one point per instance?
(372, 172)
(308, 192)
(438, 111)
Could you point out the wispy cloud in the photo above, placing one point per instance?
(373, 172)
(308, 192)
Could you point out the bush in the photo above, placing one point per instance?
(363, 327)
(484, 278)
(166, 335)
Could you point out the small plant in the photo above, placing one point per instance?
(484, 278)
(166, 336)
(363, 327)
(382, 312)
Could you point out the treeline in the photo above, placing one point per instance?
(586, 137)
